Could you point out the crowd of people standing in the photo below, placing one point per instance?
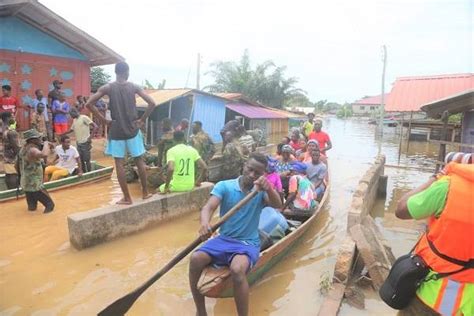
(51, 120)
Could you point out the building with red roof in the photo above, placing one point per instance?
(368, 105)
(409, 94)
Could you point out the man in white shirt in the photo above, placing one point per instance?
(66, 161)
(81, 128)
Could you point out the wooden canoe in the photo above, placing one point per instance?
(98, 173)
(216, 282)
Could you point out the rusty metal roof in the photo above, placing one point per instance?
(255, 112)
(162, 96)
(458, 103)
(410, 93)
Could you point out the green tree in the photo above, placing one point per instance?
(344, 111)
(299, 100)
(320, 106)
(150, 86)
(98, 78)
(267, 83)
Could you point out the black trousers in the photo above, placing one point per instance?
(84, 150)
(5, 117)
(42, 196)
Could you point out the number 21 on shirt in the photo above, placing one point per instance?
(183, 167)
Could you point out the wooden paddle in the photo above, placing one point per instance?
(122, 305)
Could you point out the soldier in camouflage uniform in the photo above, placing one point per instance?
(130, 172)
(232, 156)
(29, 166)
(166, 141)
(258, 136)
(201, 141)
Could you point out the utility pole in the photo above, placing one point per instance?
(198, 71)
(382, 101)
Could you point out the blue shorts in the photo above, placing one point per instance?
(134, 146)
(222, 250)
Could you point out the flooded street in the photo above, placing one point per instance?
(41, 274)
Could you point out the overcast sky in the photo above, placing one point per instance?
(333, 47)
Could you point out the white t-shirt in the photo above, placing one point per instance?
(67, 159)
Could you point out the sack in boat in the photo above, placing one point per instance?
(265, 240)
(404, 278)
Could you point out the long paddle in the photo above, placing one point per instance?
(122, 305)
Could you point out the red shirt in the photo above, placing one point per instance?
(8, 104)
(321, 137)
(295, 145)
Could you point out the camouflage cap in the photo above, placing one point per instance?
(31, 133)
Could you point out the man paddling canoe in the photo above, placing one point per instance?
(238, 244)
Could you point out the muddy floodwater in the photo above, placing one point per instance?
(41, 274)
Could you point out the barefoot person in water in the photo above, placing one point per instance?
(124, 133)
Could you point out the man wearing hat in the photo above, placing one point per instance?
(30, 168)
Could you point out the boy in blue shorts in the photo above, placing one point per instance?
(238, 244)
(124, 128)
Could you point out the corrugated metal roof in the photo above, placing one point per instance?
(375, 100)
(162, 96)
(255, 112)
(229, 95)
(410, 93)
(285, 113)
(39, 16)
(458, 103)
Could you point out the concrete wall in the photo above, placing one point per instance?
(365, 194)
(20, 36)
(363, 200)
(90, 228)
(26, 72)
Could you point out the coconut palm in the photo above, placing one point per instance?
(266, 83)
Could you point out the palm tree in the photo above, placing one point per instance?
(266, 83)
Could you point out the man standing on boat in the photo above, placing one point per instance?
(238, 244)
(125, 135)
(308, 126)
(30, 167)
(322, 137)
(81, 129)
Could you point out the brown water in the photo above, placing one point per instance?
(41, 274)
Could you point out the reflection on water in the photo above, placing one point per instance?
(40, 274)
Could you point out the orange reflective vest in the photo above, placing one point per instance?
(450, 236)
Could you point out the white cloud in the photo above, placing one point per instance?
(332, 46)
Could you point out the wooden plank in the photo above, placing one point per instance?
(409, 130)
(443, 142)
(332, 301)
(444, 133)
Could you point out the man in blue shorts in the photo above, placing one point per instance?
(238, 244)
(124, 128)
